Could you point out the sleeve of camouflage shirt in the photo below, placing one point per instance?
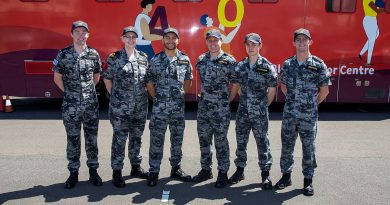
(324, 76)
(110, 72)
(272, 77)
(238, 71)
(188, 75)
(58, 65)
(197, 62)
(282, 76)
(98, 64)
(151, 75)
(233, 73)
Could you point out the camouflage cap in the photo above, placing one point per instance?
(214, 33)
(302, 31)
(77, 24)
(130, 29)
(253, 37)
(171, 30)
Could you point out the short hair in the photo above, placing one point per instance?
(144, 3)
(203, 20)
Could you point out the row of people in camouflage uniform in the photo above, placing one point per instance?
(167, 77)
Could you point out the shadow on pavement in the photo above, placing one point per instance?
(180, 193)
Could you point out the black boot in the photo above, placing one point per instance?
(308, 189)
(179, 174)
(137, 171)
(94, 178)
(284, 182)
(152, 179)
(266, 182)
(203, 175)
(237, 176)
(72, 180)
(117, 179)
(222, 180)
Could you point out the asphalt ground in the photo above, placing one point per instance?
(352, 155)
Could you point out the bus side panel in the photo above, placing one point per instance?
(338, 39)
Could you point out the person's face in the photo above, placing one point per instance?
(80, 36)
(213, 44)
(129, 39)
(252, 49)
(302, 43)
(170, 41)
(149, 7)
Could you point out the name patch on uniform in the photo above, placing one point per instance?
(313, 68)
(183, 62)
(141, 62)
(262, 70)
(92, 57)
(222, 62)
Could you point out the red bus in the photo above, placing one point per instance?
(33, 31)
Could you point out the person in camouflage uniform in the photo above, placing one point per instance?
(304, 80)
(168, 79)
(125, 81)
(217, 70)
(76, 72)
(257, 78)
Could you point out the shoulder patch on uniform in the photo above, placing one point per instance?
(313, 68)
(291, 57)
(64, 49)
(115, 54)
(143, 54)
(55, 62)
(157, 54)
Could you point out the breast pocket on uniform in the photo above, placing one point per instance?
(124, 76)
(256, 82)
(181, 74)
(310, 74)
(142, 73)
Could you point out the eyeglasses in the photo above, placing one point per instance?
(129, 37)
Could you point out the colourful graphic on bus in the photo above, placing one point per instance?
(29, 44)
(371, 9)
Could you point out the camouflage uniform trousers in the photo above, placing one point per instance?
(307, 129)
(131, 126)
(213, 119)
(245, 122)
(164, 115)
(73, 116)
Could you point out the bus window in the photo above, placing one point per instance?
(34, 0)
(263, 1)
(187, 0)
(341, 6)
(110, 0)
